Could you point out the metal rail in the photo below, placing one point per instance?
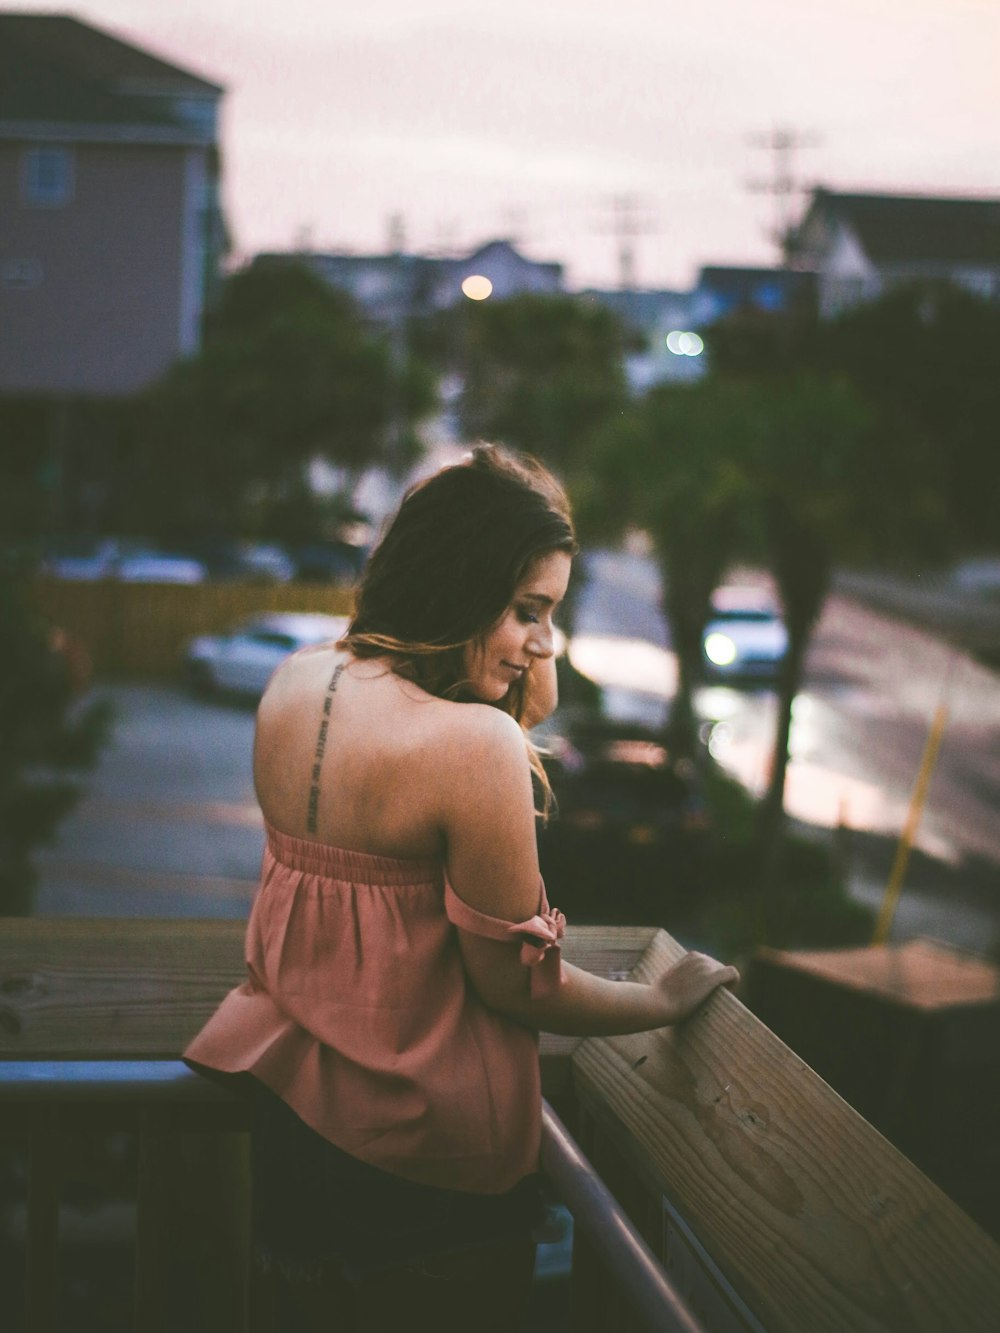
(631, 1262)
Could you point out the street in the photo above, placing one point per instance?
(169, 825)
(860, 726)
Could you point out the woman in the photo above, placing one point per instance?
(402, 954)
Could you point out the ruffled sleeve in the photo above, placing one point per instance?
(539, 936)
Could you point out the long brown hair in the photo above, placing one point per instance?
(449, 564)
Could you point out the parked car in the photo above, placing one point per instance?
(631, 823)
(243, 660)
(266, 562)
(127, 559)
(745, 638)
(80, 557)
(141, 566)
(618, 778)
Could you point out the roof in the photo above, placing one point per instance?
(918, 228)
(56, 69)
(498, 249)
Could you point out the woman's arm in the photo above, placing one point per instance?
(586, 1005)
(493, 868)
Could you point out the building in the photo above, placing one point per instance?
(506, 270)
(862, 245)
(391, 288)
(109, 194)
(724, 291)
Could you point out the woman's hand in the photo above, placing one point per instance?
(689, 983)
(542, 692)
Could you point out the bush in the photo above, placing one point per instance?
(810, 907)
(49, 737)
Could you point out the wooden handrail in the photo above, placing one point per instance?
(87, 988)
(804, 1216)
(813, 1217)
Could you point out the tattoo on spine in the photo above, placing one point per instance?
(324, 727)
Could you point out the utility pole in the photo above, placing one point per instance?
(783, 143)
(396, 233)
(630, 218)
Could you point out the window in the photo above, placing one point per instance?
(47, 177)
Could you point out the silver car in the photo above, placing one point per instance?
(243, 660)
(745, 638)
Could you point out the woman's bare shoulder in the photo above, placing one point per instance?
(480, 766)
(479, 731)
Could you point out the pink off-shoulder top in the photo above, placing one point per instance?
(357, 1011)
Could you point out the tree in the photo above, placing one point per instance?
(670, 464)
(928, 361)
(813, 480)
(787, 469)
(48, 738)
(540, 373)
(925, 359)
(289, 373)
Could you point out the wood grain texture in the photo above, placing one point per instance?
(84, 988)
(815, 1219)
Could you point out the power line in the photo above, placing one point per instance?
(783, 183)
(631, 217)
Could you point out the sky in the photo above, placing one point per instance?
(562, 124)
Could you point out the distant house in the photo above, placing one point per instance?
(110, 226)
(861, 245)
(389, 288)
(506, 269)
(725, 290)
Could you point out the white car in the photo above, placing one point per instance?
(243, 660)
(92, 558)
(159, 567)
(744, 637)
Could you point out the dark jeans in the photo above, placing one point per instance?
(316, 1207)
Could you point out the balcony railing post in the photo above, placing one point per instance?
(152, 1235)
(42, 1240)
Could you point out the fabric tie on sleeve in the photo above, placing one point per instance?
(540, 949)
(539, 936)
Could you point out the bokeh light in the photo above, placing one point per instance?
(684, 343)
(476, 287)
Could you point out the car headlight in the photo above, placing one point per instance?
(720, 649)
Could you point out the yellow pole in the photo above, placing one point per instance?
(892, 888)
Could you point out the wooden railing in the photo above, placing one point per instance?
(767, 1201)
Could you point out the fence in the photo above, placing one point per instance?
(141, 628)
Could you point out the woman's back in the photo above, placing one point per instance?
(351, 755)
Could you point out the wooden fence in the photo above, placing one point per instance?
(762, 1193)
(140, 629)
